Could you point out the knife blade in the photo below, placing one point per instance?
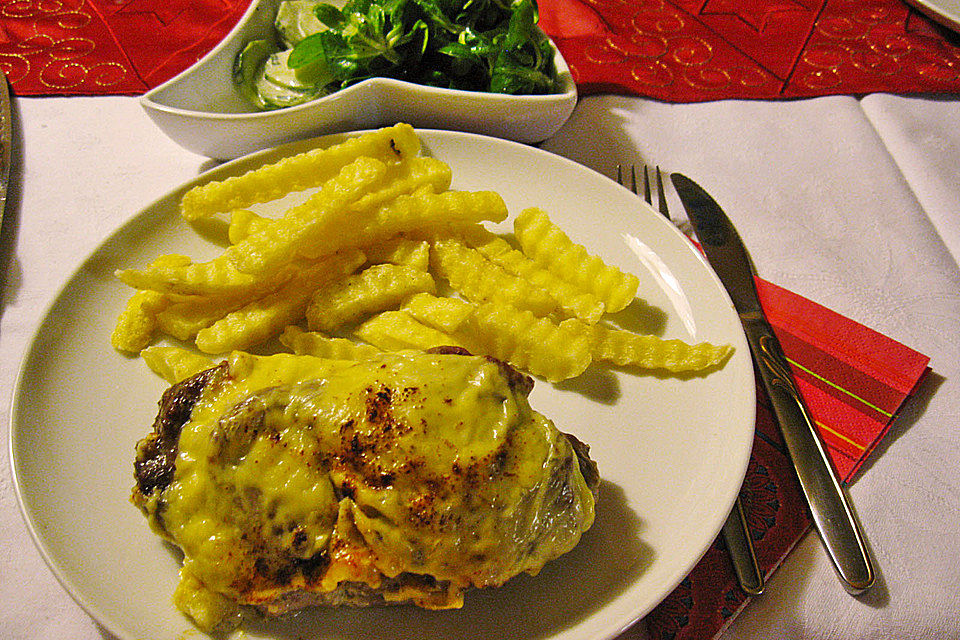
(833, 515)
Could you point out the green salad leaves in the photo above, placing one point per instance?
(473, 45)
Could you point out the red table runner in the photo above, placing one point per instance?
(677, 50)
(699, 50)
(101, 47)
(854, 381)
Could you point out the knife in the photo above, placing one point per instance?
(833, 515)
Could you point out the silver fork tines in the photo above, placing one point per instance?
(736, 534)
(647, 195)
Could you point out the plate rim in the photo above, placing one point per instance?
(264, 156)
(948, 17)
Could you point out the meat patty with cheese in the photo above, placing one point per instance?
(291, 481)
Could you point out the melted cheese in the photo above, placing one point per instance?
(301, 474)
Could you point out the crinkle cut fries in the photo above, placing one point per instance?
(382, 255)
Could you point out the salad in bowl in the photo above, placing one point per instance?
(293, 69)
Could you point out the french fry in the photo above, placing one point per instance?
(441, 313)
(376, 203)
(552, 351)
(217, 277)
(276, 244)
(400, 251)
(550, 247)
(419, 214)
(571, 300)
(316, 226)
(479, 280)
(625, 348)
(376, 288)
(313, 343)
(138, 321)
(261, 319)
(184, 319)
(411, 176)
(297, 173)
(244, 223)
(398, 330)
(174, 364)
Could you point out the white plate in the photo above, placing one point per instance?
(672, 451)
(202, 110)
(946, 12)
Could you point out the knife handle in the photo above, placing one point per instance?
(833, 516)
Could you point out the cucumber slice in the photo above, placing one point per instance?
(280, 86)
(247, 68)
(296, 20)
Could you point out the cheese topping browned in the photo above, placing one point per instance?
(291, 480)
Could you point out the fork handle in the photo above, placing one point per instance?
(740, 549)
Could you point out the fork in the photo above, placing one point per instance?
(736, 535)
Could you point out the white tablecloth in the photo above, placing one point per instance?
(852, 203)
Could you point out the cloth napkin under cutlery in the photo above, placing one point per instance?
(854, 381)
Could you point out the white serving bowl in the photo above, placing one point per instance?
(202, 110)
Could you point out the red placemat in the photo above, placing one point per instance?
(699, 50)
(679, 51)
(854, 381)
(93, 47)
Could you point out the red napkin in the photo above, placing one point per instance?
(854, 381)
(92, 47)
(699, 50)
